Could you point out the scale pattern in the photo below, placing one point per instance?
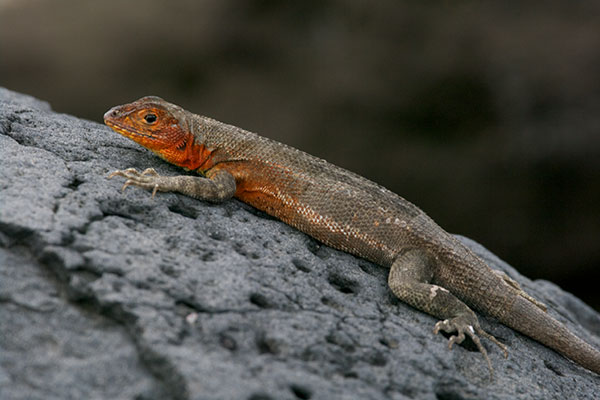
(338, 207)
(429, 268)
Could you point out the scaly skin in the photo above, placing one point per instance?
(429, 268)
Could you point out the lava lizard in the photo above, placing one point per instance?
(429, 268)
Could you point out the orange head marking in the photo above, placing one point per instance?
(161, 127)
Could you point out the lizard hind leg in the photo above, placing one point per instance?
(409, 279)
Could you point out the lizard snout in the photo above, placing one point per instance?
(111, 114)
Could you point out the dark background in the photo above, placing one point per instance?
(485, 115)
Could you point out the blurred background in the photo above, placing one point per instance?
(486, 115)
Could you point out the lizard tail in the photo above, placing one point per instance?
(529, 319)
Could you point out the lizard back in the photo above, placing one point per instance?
(335, 206)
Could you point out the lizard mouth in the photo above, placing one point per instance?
(125, 131)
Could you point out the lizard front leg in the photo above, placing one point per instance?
(409, 279)
(219, 185)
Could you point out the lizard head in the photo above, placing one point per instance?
(159, 126)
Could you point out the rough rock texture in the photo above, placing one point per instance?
(117, 295)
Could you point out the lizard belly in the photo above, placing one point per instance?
(343, 225)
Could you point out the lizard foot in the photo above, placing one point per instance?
(467, 325)
(147, 179)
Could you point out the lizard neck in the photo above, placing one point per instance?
(188, 154)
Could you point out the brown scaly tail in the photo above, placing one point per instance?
(545, 329)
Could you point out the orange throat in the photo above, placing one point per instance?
(184, 152)
(187, 154)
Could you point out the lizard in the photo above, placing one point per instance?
(429, 268)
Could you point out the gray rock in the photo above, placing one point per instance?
(105, 294)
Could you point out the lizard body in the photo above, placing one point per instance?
(429, 268)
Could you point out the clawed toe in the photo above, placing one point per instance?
(450, 326)
(146, 179)
(149, 171)
(461, 327)
(126, 173)
(116, 173)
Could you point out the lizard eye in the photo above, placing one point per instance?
(150, 118)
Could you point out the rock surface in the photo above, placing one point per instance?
(117, 295)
